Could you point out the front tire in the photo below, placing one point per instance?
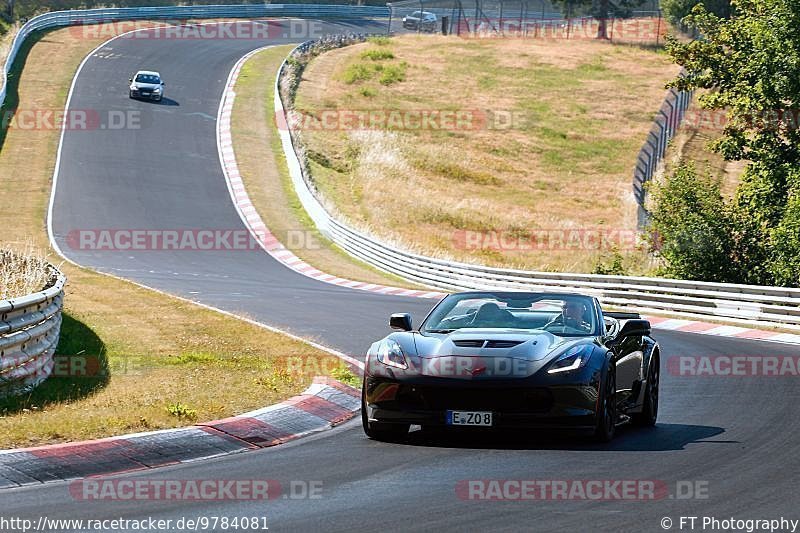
(649, 414)
(381, 431)
(607, 408)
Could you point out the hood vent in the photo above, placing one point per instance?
(480, 343)
(502, 344)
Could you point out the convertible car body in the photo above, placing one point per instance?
(512, 360)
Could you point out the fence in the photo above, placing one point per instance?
(667, 121)
(529, 19)
(57, 19)
(744, 304)
(29, 332)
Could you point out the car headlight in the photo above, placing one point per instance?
(157, 90)
(573, 359)
(390, 354)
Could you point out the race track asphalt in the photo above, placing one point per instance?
(735, 437)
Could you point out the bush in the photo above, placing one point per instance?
(693, 227)
(784, 265)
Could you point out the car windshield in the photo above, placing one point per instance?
(416, 14)
(562, 315)
(148, 78)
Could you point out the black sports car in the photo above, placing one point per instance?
(512, 360)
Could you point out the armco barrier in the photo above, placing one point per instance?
(29, 332)
(57, 19)
(743, 304)
(666, 123)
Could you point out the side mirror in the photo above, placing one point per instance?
(130, 80)
(400, 321)
(633, 328)
(163, 83)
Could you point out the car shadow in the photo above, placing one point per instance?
(662, 437)
(167, 101)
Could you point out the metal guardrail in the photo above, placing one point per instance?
(666, 123)
(29, 333)
(57, 19)
(742, 304)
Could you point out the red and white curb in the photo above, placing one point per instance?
(720, 330)
(252, 219)
(272, 246)
(326, 403)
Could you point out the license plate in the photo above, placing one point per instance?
(469, 418)
(145, 94)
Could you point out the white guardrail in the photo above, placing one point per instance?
(29, 332)
(57, 19)
(741, 304)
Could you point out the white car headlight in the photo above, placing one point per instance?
(390, 354)
(157, 90)
(573, 359)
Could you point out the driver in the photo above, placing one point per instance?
(572, 315)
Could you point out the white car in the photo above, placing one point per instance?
(147, 84)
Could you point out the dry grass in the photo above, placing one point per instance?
(263, 168)
(691, 144)
(582, 111)
(159, 351)
(22, 273)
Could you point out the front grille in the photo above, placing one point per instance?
(510, 400)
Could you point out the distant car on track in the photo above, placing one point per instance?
(512, 360)
(420, 20)
(147, 84)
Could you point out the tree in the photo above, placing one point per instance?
(676, 10)
(602, 10)
(749, 67)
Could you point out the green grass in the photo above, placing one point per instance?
(393, 74)
(380, 40)
(358, 72)
(345, 375)
(377, 55)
